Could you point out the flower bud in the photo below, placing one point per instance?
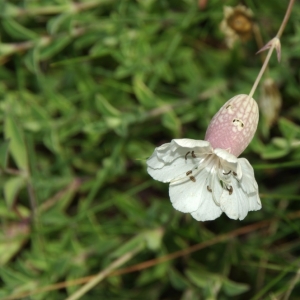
(233, 126)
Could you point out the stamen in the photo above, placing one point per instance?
(187, 155)
(195, 171)
(193, 178)
(189, 172)
(193, 154)
(227, 173)
(230, 190)
(209, 189)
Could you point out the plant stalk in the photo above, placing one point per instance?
(274, 42)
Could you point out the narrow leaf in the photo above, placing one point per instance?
(232, 288)
(144, 95)
(11, 189)
(17, 143)
(12, 239)
(18, 31)
(4, 153)
(105, 107)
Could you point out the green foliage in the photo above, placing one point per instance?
(88, 90)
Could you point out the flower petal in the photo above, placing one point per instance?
(235, 204)
(167, 153)
(188, 195)
(244, 196)
(195, 196)
(208, 210)
(171, 160)
(155, 161)
(254, 201)
(248, 181)
(229, 162)
(215, 186)
(226, 156)
(177, 168)
(196, 145)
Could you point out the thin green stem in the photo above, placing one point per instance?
(274, 43)
(263, 68)
(292, 285)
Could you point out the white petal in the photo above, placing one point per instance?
(236, 205)
(167, 153)
(228, 162)
(215, 186)
(179, 167)
(155, 161)
(197, 145)
(249, 185)
(208, 210)
(225, 155)
(239, 172)
(188, 195)
(198, 199)
(254, 201)
(170, 160)
(248, 181)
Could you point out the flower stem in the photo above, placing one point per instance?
(286, 17)
(274, 41)
(263, 68)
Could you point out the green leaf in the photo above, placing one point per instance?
(55, 24)
(144, 95)
(12, 239)
(6, 49)
(132, 244)
(4, 153)
(17, 144)
(271, 151)
(199, 279)
(153, 238)
(55, 47)
(105, 107)
(11, 189)
(288, 129)
(8, 9)
(171, 122)
(232, 288)
(18, 31)
(177, 280)
(155, 274)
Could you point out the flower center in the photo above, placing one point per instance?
(216, 171)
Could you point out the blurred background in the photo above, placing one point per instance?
(88, 89)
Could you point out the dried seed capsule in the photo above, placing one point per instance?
(237, 24)
(270, 101)
(233, 126)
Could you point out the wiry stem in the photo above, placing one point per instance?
(100, 276)
(272, 44)
(286, 17)
(263, 68)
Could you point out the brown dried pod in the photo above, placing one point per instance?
(237, 24)
(270, 101)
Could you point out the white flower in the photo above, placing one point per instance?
(206, 177)
(204, 181)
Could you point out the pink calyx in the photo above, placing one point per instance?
(233, 126)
